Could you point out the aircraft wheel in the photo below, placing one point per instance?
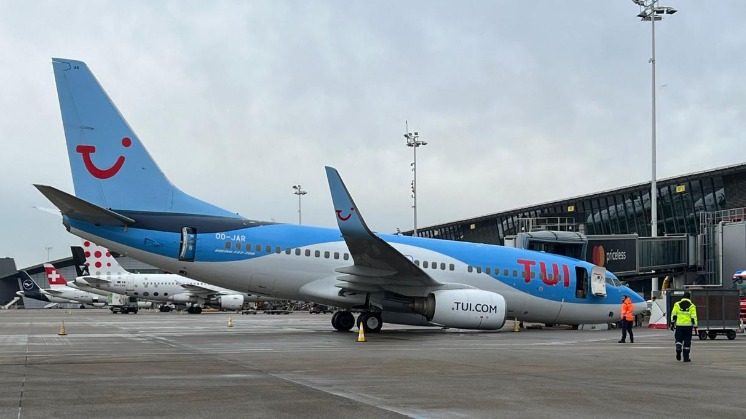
(198, 310)
(190, 309)
(82, 306)
(343, 321)
(371, 321)
(335, 317)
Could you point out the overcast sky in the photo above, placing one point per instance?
(521, 102)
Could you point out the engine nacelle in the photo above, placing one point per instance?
(463, 309)
(231, 301)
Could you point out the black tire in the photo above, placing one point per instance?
(712, 335)
(343, 321)
(702, 335)
(731, 334)
(198, 310)
(372, 322)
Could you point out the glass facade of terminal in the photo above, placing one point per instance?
(626, 210)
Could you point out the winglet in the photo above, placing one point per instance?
(350, 221)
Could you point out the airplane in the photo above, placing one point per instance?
(32, 290)
(101, 271)
(58, 287)
(124, 202)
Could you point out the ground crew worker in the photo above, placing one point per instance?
(627, 319)
(683, 320)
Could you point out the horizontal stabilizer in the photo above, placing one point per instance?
(78, 209)
(93, 280)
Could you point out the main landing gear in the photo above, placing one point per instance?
(194, 310)
(343, 321)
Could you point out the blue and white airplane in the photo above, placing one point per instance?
(124, 202)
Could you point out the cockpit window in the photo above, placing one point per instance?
(613, 281)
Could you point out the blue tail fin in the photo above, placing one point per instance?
(110, 166)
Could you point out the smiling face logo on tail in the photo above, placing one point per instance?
(342, 218)
(87, 150)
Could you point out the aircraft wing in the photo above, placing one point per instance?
(94, 280)
(377, 263)
(199, 290)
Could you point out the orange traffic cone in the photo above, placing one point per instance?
(361, 333)
(516, 326)
(230, 321)
(62, 329)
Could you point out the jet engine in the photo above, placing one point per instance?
(463, 309)
(231, 301)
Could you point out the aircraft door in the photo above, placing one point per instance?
(128, 284)
(581, 282)
(598, 281)
(188, 244)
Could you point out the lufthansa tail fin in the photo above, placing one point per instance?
(110, 166)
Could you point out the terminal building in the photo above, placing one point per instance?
(701, 229)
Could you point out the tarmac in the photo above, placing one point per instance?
(172, 365)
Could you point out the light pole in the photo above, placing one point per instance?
(414, 142)
(299, 192)
(48, 249)
(651, 11)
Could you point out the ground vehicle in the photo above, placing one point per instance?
(717, 310)
(739, 281)
(122, 304)
(320, 309)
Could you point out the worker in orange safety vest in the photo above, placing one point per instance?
(627, 318)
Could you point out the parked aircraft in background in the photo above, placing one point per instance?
(126, 203)
(58, 287)
(103, 272)
(30, 289)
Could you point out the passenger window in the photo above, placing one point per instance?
(506, 272)
(278, 249)
(268, 249)
(417, 262)
(533, 275)
(424, 264)
(336, 255)
(288, 251)
(297, 252)
(487, 270)
(443, 266)
(227, 245)
(451, 267)
(346, 256)
(308, 252)
(326, 255)
(317, 253)
(238, 246)
(469, 269)
(515, 273)
(479, 269)
(258, 247)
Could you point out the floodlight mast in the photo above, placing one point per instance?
(651, 11)
(300, 192)
(414, 142)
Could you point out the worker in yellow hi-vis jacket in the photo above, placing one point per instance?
(683, 320)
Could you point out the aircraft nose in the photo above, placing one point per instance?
(639, 307)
